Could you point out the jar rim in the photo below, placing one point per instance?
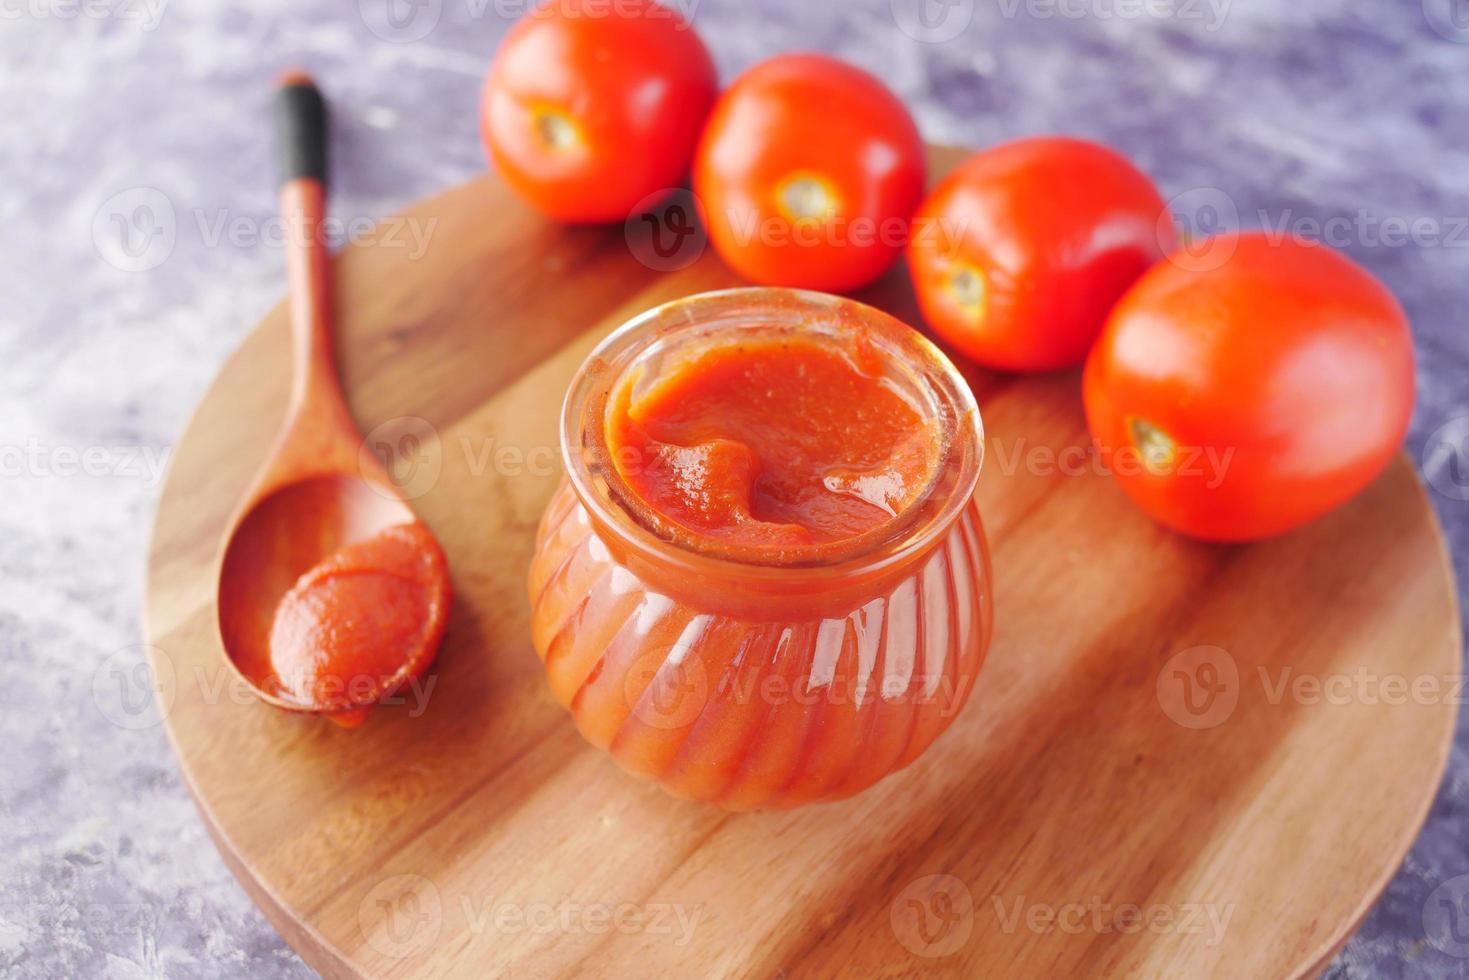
(609, 501)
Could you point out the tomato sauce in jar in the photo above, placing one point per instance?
(764, 581)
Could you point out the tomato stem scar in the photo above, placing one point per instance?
(1157, 447)
(969, 287)
(804, 197)
(556, 129)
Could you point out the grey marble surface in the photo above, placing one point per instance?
(134, 243)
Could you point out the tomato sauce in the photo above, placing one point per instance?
(773, 443)
(362, 621)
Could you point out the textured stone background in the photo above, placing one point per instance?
(151, 116)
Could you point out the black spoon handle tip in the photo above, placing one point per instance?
(301, 121)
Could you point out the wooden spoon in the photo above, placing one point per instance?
(320, 489)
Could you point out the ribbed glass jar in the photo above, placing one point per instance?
(762, 682)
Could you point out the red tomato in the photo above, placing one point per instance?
(808, 173)
(590, 107)
(1241, 401)
(1018, 255)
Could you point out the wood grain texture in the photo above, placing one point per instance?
(475, 834)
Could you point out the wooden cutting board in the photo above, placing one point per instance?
(1181, 759)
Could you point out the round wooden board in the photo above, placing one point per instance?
(1181, 759)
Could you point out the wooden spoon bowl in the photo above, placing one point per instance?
(284, 534)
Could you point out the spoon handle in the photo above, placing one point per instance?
(301, 128)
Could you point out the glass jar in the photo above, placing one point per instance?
(757, 681)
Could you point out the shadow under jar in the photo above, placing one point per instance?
(747, 660)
